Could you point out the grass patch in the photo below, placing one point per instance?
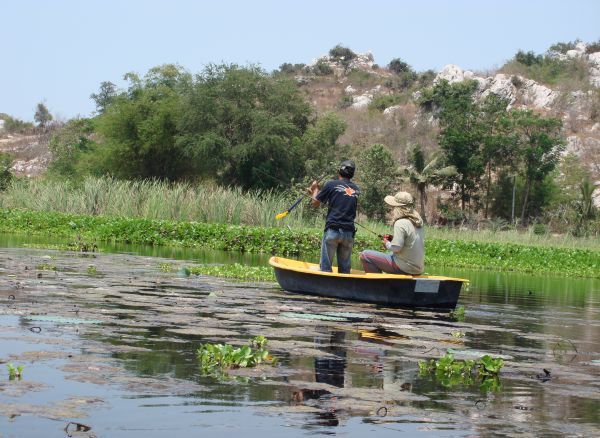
(236, 270)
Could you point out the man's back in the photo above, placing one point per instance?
(342, 198)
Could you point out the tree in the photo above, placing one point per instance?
(539, 143)
(398, 66)
(106, 94)
(68, 145)
(138, 130)
(497, 143)
(378, 171)
(423, 173)
(42, 115)
(6, 175)
(461, 133)
(247, 128)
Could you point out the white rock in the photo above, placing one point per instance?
(391, 110)
(595, 127)
(451, 73)
(574, 146)
(537, 95)
(574, 54)
(596, 195)
(349, 90)
(502, 86)
(362, 101)
(594, 66)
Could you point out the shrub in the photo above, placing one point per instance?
(13, 125)
(6, 175)
(289, 68)
(528, 58)
(341, 53)
(345, 101)
(516, 81)
(322, 68)
(398, 66)
(562, 47)
(593, 47)
(384, 101)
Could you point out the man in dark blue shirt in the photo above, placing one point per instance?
(341, 195)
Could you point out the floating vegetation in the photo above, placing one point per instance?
(458, 314)
(184, 272)
(91, 269)
(573, 262)
(45, 267)
(166, 267)
(73, 246)
(236, 270)
(450, 372)
(15, 372)
(216, 359)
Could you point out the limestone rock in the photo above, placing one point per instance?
(536, 94)
(451, 73)
(350, 90)
(596, 194)
(574, 145)
(391, 110)
(363, 100)
(594, 63)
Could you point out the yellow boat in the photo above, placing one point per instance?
(420, 291)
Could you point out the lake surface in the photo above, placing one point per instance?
(113, 348)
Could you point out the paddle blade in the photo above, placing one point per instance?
(281, 215)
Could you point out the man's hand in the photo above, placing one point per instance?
(313, 191)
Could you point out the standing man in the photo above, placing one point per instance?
(341, 195)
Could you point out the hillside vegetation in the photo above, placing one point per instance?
(513, 147)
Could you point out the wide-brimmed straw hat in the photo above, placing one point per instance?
(400, 199)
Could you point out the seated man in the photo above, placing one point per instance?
(407, 246)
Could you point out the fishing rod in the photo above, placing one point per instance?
(381, 236)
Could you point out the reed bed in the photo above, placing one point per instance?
(151, 199)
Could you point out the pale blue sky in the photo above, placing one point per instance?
(59, 51)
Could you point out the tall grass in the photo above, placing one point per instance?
(222, 205)
(158, 200)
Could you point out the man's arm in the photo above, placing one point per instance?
(314, 191)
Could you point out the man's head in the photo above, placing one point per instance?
(347, 169)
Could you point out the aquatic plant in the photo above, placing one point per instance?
(91, 270)
(236, 270)
(458, 313)
(15, 372)
(216, 359)
(301, 241)
(45, 267)
(166, 267)
(450, 371)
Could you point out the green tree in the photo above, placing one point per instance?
(245, 127)
(6, 175)
(42, 116)
(378, 171)
(106, 94)
(461, 132)
(422, 173)
(539, 142)
(68, 145)
(497, 142)
(138, 130)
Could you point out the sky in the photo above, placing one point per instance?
(58, 52)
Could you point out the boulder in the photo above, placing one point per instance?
(349, 90)
(451, 73)
(537, 95)
(391, 110)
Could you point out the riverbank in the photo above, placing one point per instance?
(295, 242)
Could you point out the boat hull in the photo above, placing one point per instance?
(388, 290)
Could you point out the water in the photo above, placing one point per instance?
(135, 374)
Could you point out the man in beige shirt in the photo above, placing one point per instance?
(407, 247)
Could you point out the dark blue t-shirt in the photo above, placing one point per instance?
(342, 197)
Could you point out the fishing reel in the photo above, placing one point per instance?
(388, 237)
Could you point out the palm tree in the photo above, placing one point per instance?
(422, 173)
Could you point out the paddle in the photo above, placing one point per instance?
(298, 201)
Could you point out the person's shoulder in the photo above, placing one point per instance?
(403, 223)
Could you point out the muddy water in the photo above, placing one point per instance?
(115, 350)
